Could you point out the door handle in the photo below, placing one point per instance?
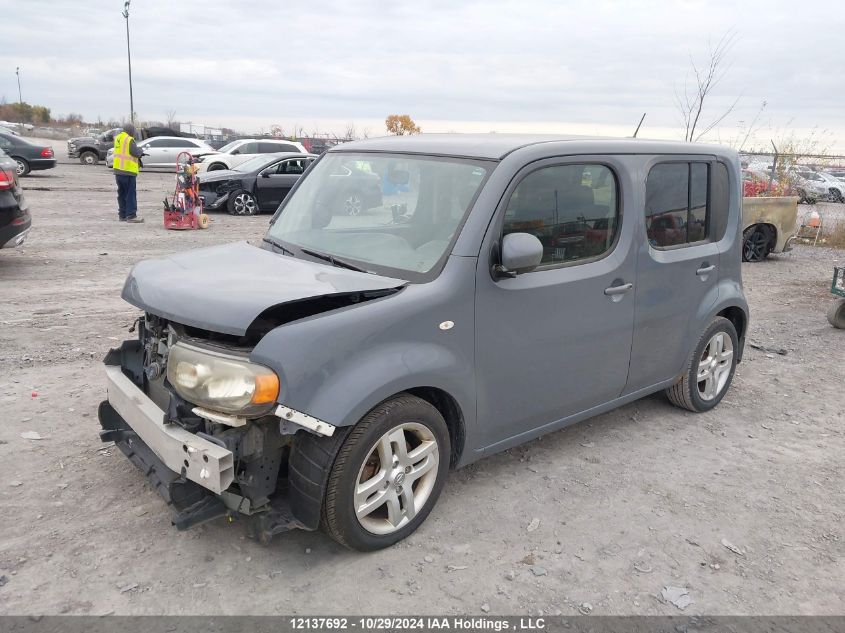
(705, 270)
(618, 290)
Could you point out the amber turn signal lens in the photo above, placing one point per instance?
(266, 389)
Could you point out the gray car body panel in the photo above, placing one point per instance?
(224, 288)
(337, 365)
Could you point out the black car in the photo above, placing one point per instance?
(258, 185)
(26, 154)
(15, 220)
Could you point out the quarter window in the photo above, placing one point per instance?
(572, 209)
(677, 204)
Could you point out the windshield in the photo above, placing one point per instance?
(387, 213)
(228, 146)
(255, 163)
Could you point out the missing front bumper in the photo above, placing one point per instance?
(191, 503)
(198, 460)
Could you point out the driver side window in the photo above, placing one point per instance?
(572, 209)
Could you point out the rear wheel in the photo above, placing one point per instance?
(243, 203)
(836, 314)
(756, 243)
(710, 371)
(22, 168)
(89, 158)
(387, 475)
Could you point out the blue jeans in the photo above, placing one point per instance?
(127, 203)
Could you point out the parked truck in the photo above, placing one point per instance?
(91, 150)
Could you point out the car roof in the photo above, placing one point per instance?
(273, 156)
(496, 146)
(173, 138)
(264, 140)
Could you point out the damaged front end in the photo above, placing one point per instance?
(210, 428)
(204, 463)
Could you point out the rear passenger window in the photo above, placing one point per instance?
(676, 206)
(572, 209)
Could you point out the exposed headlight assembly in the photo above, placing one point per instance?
(221, 382)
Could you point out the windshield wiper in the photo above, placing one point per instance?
(333, 260)
(270, 240)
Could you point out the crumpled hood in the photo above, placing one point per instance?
(220, 174)
(224, 288)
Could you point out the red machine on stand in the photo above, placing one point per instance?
(185, 211)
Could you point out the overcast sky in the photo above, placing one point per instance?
(591, 66)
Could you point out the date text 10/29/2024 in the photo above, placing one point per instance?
(421, 623)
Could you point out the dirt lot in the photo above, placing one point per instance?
(743, 506)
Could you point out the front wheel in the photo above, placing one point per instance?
(388, 474)
(89, 158)
(836, 314)
(710, 371)
(353, 204)
(216, 167)
(243, 203)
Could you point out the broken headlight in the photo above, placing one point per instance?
(221, 382)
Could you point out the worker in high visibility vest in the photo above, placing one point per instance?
(125, 165)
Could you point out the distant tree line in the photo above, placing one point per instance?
(34, 114)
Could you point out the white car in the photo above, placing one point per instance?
(161, 151)
(835, 186)
(237, 152)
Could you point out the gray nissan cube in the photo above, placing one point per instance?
(500, 288)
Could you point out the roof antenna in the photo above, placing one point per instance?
(638, 125)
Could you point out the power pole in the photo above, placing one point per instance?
(125, 14)
(18, 73)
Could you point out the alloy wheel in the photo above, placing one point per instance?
(244, 204)
(397, 478)
(353, 204)
(756, 245)
(20, 169)
(714, 366)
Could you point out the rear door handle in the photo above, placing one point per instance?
(618, 290)
(705, 270)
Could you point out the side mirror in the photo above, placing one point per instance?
(265, 173)
(521, 253)
(235, 151)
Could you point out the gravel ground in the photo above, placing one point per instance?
(742, 506)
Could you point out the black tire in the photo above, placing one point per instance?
(757, 243)
(802, 197)
(836, 195)
(686, 393)
(89, 158)
(338, 519)
(836, 314)
(216, 167)
(23, 166)
(242, 203)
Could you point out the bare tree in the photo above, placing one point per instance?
(171, 117)
(690, 102)
(350, 134)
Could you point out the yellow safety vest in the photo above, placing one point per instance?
(123, 160)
